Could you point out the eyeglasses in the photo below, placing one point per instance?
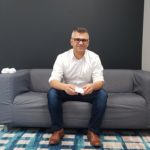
(80, 40)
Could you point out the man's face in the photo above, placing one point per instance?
(79, 41)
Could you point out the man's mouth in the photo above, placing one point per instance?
(81, 46)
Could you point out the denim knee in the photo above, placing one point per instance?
(51, 91)
(52, 96)
(102, 94)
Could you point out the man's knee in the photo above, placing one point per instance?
(52, 94)
(102, 94)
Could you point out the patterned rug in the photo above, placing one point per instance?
(37, 139)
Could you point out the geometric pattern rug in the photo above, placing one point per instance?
(37, 139)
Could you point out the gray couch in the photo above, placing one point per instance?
(23, 100)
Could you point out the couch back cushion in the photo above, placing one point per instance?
(116, 80)
(39, 79)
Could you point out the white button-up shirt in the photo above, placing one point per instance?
(68, 69)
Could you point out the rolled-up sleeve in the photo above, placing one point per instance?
(97, 74)
(57, 72)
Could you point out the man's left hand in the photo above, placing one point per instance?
(88, 89)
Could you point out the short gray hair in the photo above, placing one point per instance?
(80, 30)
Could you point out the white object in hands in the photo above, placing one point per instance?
(79, 90)
(5, 70)
(12, 70)
(8, 70)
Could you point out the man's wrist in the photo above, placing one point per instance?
(93, 86)
(97, 85)
(63, 86)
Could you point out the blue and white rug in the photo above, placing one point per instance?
(37, 139)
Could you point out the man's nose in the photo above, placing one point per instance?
(80, 42)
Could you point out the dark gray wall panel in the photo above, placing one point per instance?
(34, 32)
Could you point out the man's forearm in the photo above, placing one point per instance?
(98, 85)
(57, 85)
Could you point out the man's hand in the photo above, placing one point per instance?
(88, 89)
(70, 89)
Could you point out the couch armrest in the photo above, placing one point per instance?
(142, 84)
(10, 86)
(142, 87)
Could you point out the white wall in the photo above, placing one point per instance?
(146, 37)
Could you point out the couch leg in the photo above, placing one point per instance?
(6, 128)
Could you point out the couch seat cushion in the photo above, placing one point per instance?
(125, 110)
(31, 109)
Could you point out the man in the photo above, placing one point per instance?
(82, 74)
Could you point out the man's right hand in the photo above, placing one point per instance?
(70, 89)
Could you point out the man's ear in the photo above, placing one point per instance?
(71, 40)
(88, 43)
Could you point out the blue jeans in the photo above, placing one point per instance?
(98, 99)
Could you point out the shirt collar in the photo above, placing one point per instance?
(73, 57)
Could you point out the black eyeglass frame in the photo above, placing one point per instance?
(80, 40)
